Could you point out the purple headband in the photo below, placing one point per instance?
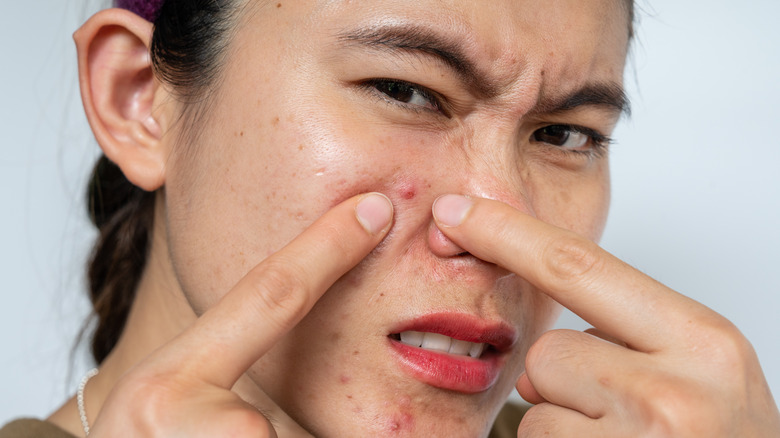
(148, 9)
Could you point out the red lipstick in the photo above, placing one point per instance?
(460, 373)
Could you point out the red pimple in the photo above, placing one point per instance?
(408, 191)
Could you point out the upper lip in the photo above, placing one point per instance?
(465, 327)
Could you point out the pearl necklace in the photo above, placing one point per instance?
(80, 399)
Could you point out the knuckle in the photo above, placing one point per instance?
(727, 341)
(149, 398)
(245, 422)
(571, 258)
(539, 420)
(279, 289)
(554, 345)
(670, 407)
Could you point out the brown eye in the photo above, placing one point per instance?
(407, 94)
(563, 136)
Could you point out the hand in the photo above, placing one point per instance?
(673, 366)
(183, 389)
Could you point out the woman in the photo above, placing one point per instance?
(280, 118)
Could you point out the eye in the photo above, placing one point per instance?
(572, 138)
(409, 95)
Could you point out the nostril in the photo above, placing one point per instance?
(441, 245)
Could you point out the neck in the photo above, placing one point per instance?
(160, 311)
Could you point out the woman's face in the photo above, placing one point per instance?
(320, 101)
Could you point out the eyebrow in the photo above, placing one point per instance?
(422, 40)
(609, 95)
(448, 50)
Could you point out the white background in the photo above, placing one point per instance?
(696, 199)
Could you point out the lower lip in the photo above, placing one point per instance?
(446, 371)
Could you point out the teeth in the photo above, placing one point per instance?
(412, 338)
(438, 342)
(476, 350)
(460, 347)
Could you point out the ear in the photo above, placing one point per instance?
(121, 96)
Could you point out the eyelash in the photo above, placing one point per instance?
(596, 147)
(598, 143)
(436, 101)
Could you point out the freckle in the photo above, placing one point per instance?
(242, 133)
(275, 121)
(300, 147)
(335, 337)
(349, 396)
(356, 352)
(278, 5)
(382, 294)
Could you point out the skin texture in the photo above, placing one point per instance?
(303, 142)
(299, 126)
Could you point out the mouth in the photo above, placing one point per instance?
(437, 342)
(456, 352)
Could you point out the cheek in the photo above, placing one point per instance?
(575, 201)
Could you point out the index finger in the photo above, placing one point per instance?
(589, 281)
(275, 295)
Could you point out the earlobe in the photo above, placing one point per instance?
(120, 94)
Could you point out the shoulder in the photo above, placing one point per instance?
(32, 428)
(507, 422)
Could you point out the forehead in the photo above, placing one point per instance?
(569, 42)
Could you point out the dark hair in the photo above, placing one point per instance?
(187, 52)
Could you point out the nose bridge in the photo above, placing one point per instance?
(491, 165)
(481, 162)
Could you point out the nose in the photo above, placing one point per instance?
(441, 245)
(484, 167)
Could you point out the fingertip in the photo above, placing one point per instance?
(527, 391)
(451, 210)
(374, 212)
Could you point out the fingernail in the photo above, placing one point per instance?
(374, 212)
(451, 210)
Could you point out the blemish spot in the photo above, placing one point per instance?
(356, 352)
(278, 5)
(408, 192)
(344, 380)
(242, 133)
(275, 121)
(402, 421)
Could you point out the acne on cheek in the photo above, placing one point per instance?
(407, 190)
(400, 420)
(400, 189)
